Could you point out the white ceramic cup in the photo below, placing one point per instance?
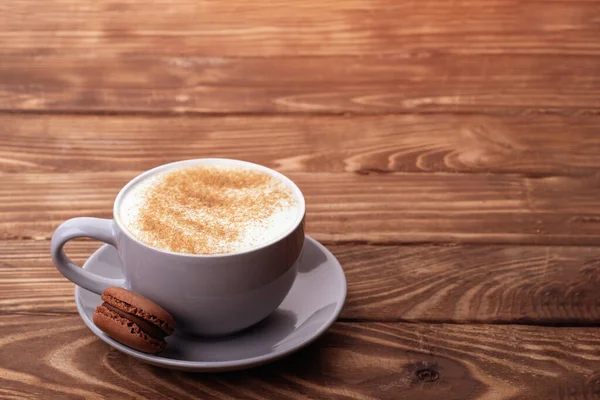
(207, 294)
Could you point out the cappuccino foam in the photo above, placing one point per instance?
(209, 209)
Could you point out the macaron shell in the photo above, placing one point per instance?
(136, 304)
(125, 331)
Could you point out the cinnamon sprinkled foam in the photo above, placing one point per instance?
(209, 209)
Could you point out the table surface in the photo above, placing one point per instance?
(449, 152)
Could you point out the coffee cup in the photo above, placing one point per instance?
(208, 294)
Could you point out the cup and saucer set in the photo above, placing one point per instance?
(232, 311)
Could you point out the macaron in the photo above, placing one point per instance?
(133, 320)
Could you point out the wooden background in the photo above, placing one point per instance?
(449, 151)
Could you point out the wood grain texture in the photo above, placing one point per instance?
(493, 145)
(352, 361)
(273, 28)
(433, 83)
(533, 146)
(358, 56)
(375, 208)
(461, 284)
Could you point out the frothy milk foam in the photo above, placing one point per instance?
(209, 209)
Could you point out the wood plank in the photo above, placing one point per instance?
(412, 28)
(415, 283)
(505, 83)
(538, 146)
(360, 56)
(377, 208)
(351, 361)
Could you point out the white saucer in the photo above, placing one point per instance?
(313, 304)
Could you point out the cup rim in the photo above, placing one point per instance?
(211, 161)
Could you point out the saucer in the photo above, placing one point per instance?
(312, 305)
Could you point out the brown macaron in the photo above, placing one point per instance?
(133, 320)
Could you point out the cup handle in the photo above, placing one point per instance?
(95, 228)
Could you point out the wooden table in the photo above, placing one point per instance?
(449, 151)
